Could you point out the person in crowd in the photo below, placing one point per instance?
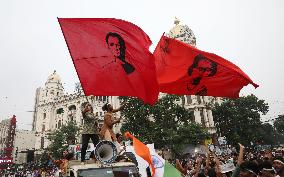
(90, 128)
(278, 165)
(109, 121)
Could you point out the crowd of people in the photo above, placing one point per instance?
(213, 163)
(30, 170)
(246, 163)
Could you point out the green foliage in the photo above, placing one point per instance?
(279, 124)
(61, 138)
(167, 123)
(239, 120)
(43, 158)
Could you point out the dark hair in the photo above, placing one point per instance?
(118, 135)
(249, 165)
(83, 106)
(121, 43)
(197, 59)
(105, 107)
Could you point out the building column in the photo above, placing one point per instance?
(197, 116)
(210, 118)
(206, 118)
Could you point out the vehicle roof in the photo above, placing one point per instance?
(76, 165)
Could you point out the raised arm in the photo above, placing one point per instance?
(240, 160)
(241, 155)
(218, 166)
(108, 120)
(119, 109)
(197, 167)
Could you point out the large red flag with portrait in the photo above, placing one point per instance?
(111, 57)
(184, 70)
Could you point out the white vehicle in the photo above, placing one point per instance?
(118, 169)
(105, 154)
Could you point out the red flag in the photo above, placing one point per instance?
(185, 70)
(111, 57)
(142, 150)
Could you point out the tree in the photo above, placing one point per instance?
(279, 124)
(167, 123)
(279, 127)
(239, 119)
(61, 138)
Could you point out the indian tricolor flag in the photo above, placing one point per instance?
(160, 166)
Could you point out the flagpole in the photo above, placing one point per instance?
(72, 59)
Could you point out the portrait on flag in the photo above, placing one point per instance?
(117, 47)
(111, 57)
(201, 67)
(185, 70)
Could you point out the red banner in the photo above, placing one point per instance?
(111, 57)
(185, 70)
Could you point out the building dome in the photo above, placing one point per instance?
(182, 33)
(54, 78)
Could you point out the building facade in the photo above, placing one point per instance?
(7, 135)
(24, 142)
(54, 108)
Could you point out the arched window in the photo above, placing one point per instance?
(72, 107)
(44, 115)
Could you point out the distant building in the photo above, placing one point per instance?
(54, 108)
(7, 135)
(24, 141)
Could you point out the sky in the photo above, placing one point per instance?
(249, 33)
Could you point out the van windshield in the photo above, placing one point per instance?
(127, 171)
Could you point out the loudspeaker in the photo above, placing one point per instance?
(105, 152)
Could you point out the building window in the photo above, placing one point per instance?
(44, 115)
(198, 99)
(57, 93)
(43, 128)
(59, 124)
(202, 117)
(42, 142)
(72, 107)
(60, 111)
(188, 98)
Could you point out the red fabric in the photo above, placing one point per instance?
(142, 150)
(103, 68)
(185, 70)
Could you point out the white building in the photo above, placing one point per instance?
(24, 140)
(4, 129)
(54, 108)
